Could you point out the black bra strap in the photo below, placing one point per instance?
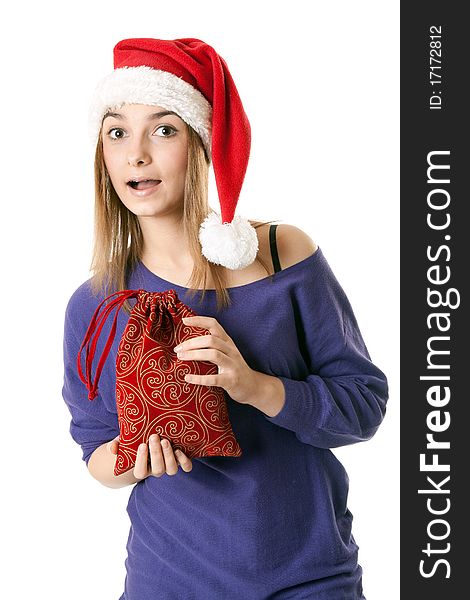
(273, 246)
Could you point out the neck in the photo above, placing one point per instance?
(165, 244)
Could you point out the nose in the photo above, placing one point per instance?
(137, 154)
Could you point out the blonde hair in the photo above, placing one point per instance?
(118, 240)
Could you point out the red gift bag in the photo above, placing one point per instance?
(151, 393)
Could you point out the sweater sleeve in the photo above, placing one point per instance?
(92, 424)
(342, 398)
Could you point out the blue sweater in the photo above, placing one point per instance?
(273, 523)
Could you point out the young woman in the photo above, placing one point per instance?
(298, 378)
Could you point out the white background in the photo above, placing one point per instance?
(320, 84)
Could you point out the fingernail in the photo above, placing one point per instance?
(176, 348)
(165, 443)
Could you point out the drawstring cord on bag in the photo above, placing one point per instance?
(95, 327)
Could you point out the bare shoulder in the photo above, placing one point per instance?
(293, 245)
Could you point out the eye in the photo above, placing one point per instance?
(116, 133)
(166, 130)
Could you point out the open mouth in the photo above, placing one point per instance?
(144, 184)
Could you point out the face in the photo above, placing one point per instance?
(145, 151)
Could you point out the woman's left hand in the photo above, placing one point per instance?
(234, 376)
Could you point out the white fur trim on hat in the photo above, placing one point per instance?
(144, 85)
(233, 245)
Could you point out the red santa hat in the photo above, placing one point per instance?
(188, 77)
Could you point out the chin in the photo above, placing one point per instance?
(150, 207)
(146, 207)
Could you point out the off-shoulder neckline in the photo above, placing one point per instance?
(278, 275)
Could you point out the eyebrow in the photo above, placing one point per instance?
(150, 117)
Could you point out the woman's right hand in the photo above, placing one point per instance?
(162, 460)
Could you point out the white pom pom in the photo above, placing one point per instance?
(233, 245)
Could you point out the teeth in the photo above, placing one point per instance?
(135, 183)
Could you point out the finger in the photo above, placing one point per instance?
(214, 380)
(209, 323)
(156, 456)
(206, 341)
(185, 462)
(141, 466)
(211, 355)
(113, 446)
(169, 456)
